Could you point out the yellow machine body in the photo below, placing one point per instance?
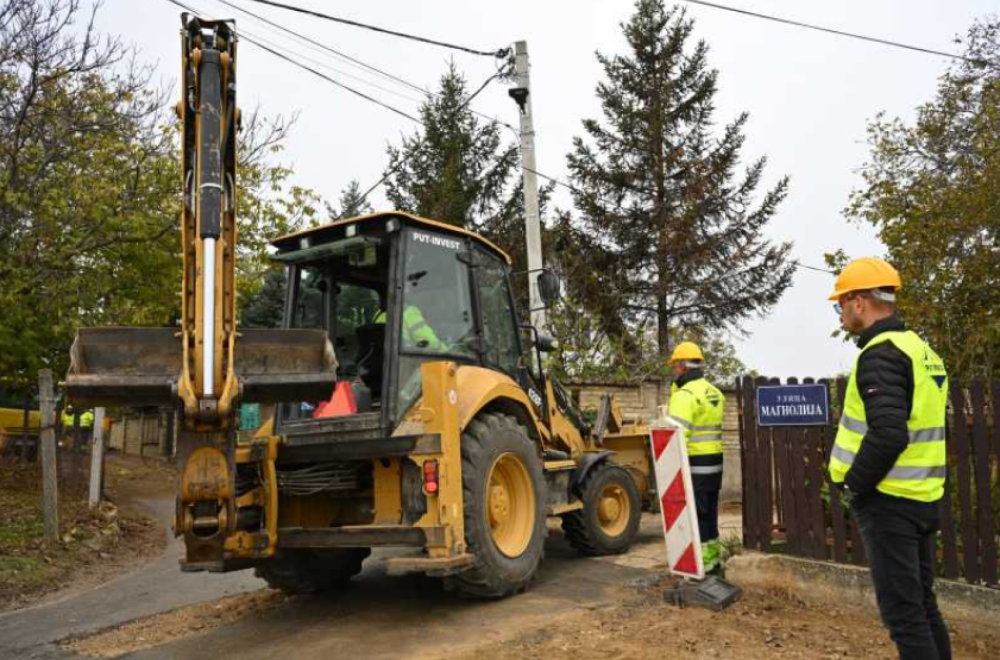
(457, 447)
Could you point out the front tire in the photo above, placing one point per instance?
(504, 500)
(609, 520)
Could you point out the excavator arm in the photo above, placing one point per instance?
(207, 366)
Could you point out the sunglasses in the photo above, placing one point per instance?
(837, 307)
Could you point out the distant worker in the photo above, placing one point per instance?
(417, 333)
(699, 407)
(889, 455)
(86, 418)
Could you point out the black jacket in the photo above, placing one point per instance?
(688, 376)
(885, 382)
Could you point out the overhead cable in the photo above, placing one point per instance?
(501, 52)
(330, 80)
(313, 71)
(841, 33)
(325, 47)
(360, 63)
(392, 170)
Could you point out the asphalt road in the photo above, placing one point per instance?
(410, 617)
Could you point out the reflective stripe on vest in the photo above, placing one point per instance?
(699, 407)
(920, 471)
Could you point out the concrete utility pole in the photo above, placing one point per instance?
(97, 459)
(521, 92)
(50, 481)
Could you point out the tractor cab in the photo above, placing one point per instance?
(393, 291)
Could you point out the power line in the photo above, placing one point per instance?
(257, 40)
(501, 52)
(318, 44)
(576, 190)
(818, 270)
(842, 33)
(355, 61)
(330, 80)
(313, 71)
(392, 170)
(263, 44)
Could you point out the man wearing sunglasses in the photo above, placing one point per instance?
(889, 456)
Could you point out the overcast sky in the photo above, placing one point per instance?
(809, 96)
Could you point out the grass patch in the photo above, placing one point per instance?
(92, 545)
(731, 546)
(23, 572)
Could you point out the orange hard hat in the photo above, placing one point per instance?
(864, 274)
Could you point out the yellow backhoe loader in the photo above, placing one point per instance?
(408, 406)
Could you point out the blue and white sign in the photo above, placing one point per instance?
(793, 405)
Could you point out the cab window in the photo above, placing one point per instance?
(500, 333)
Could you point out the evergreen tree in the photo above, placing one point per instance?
(669, 230)
(457, 169)
(352, 203)
(265, 307)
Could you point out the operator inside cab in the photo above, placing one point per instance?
(699, 407)
(416, 331)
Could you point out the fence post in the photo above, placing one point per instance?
(982, 472)
(97, 459)
(50, 484)
(970, 542)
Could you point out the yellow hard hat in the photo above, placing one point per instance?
(686, 350)
(863, 274)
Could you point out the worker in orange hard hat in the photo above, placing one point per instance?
(889, 458)
(699, 407)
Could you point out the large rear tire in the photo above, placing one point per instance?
(312, 571)
(609, 520)
(504, 498)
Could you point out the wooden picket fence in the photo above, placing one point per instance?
(789, 507)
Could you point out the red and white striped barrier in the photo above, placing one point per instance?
(673, 484)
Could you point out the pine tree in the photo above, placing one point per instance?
(352, 203)
(458, 169)
(669, 229)
(264, 307)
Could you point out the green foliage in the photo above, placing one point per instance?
(87, 187)
(89, 190)
(670, 234)
(457, 169)
(461, 171)
(932, 190)
(268, 203)
(265, 307)
(586, 352)
(353, 203)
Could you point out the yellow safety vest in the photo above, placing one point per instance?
(699, 407)
(415, 329)
(86, 419)
(920, 471)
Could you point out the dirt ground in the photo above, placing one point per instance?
(155, 630)
(768, 623)
(94, 546)
(765, 623)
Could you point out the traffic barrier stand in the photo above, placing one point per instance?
(680, 523)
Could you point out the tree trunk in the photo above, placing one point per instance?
(662, 328)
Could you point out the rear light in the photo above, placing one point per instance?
(431, 477)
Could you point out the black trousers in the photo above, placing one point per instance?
(899, 536)
(706, 504)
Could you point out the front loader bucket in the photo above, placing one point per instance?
(124, 366)
(141, 366)
(277, 364)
